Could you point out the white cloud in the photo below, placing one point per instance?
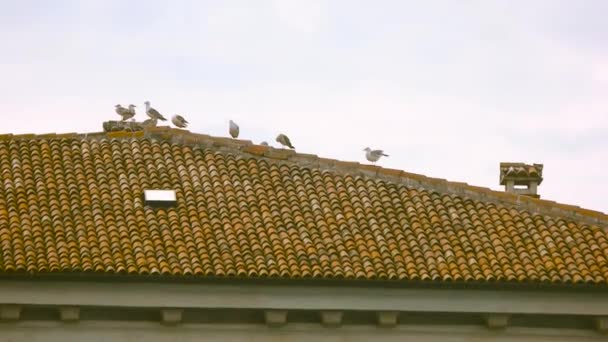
(305, 16)
(600, 72)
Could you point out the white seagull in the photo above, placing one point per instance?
(123, 112)
(233, 129)
(153, 113)
(374, 155)
(131, 111)
(179, 121)
(284, 140)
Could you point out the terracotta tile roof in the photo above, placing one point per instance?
(73, 203)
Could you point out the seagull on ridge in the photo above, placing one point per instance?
(123, 112)
(153, 113)
(284, 140)
(233, 129)
(374, 155)
(179, 121)
(131, 111)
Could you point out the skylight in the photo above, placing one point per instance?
(159, 198)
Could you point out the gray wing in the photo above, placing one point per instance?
(153, 113)
(379, 153)
(288, 142)
(234, 129)
(124, 113)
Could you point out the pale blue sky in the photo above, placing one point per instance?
(448, 88)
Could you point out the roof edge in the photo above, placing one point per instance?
(306, 281)
(285, 156)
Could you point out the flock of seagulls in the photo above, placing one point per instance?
(153, 114)
(233, 129)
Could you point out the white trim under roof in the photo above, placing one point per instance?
(63, 293)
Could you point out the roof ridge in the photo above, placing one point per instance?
(279, 155)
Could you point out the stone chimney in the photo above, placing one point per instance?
(520, 178)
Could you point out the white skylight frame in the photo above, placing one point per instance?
(159, 197)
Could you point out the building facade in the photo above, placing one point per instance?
(249, 242)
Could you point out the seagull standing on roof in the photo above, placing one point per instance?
(131, 111)
(284, 140)
(123, 112)
(233, 129)
(179, 121)
(374, 155)
(153, 113)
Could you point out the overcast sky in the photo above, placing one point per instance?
(448, 88)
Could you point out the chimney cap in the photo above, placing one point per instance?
(521, 173)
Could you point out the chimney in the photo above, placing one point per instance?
(520, 178)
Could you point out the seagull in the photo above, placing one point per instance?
(264, 143)
(234, 129)
(131, 111)
(153, 113)
(149, 123)
(123, 112)
(179, 121)
(284, 140)
(374, 155)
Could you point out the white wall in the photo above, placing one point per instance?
(115, 299)
(159, 295)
